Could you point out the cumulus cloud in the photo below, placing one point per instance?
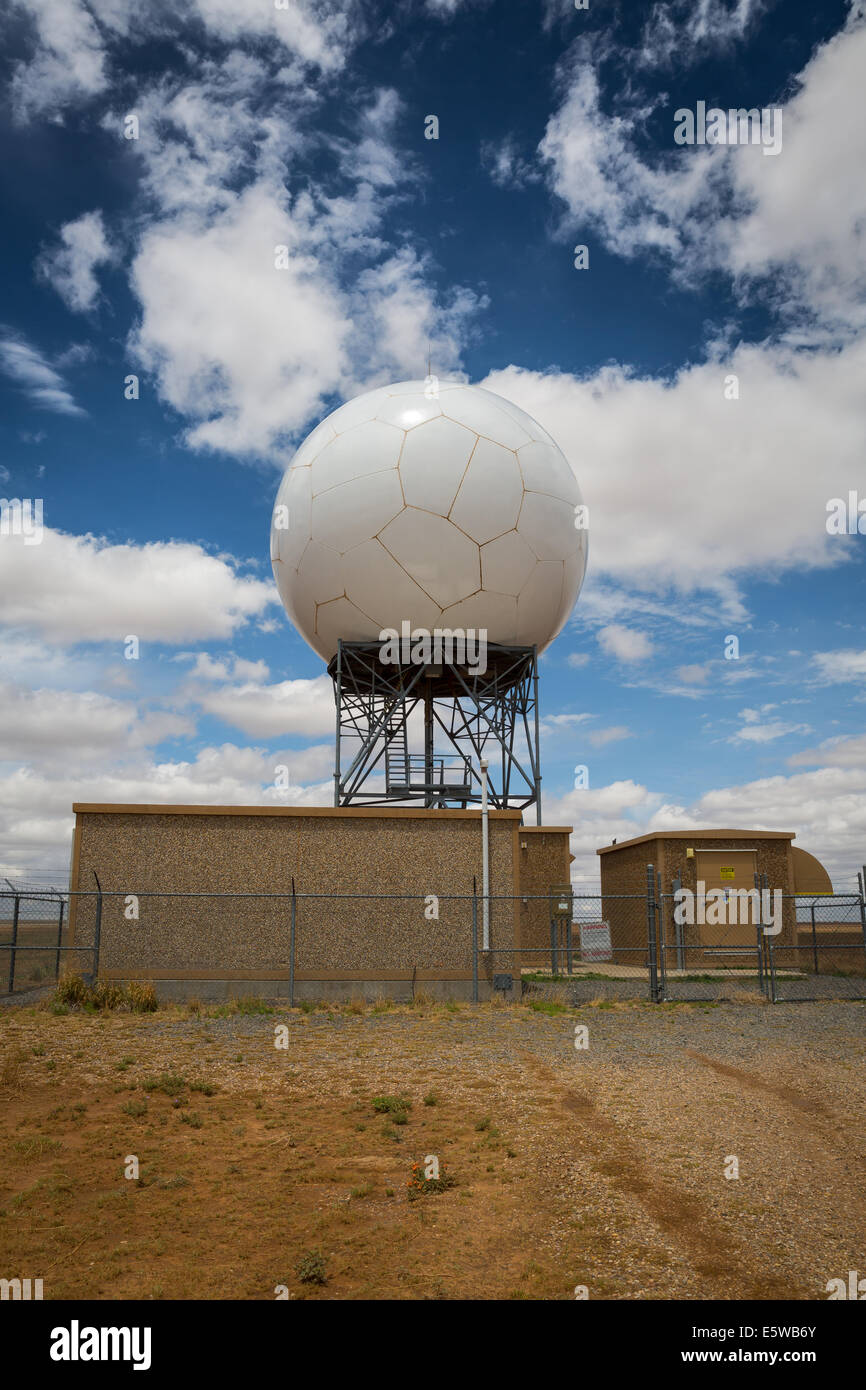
(249, 320)
(752, 474)
(74, 589)
(270, 711)
(45, 725)
(71, 267)
(624, 643)
(796, 219)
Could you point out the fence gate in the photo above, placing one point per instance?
(821, 951)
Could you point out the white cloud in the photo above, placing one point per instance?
(686, 30)
(624, 643)
(695, 673)
(74, 54)
(68, 63)
(74, 589)
(26, 366)
(842, 751)
(825, 808)
(36, 816)
(756, 732)
(505, 164)
(269, 711)
(247, 351)
(553, 723)
(648, 453)
(243, 349)
(795, 220)
(600, 738)
(840, 666)
(577, 659)
(71, 267)
(46, 726)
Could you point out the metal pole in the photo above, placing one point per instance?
(292, 948)
(14, 942)
(651, 932)
(429, 796)
(662, 937)
(339, 700)
(485, 861)
(759, 938)
(537, 739)
(474, 941)
(59, 941)
(814, 941)
(569, 958)
(771, 956)
(679, 938)
(553, 961)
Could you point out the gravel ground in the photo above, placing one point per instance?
(622, 1146)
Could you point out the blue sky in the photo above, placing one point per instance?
(305, 126)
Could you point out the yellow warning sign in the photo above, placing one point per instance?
(728, 873)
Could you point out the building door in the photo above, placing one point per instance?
(728, 869)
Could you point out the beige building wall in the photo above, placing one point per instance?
(544, 862)
(188, 942)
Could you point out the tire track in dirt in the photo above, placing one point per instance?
(716, 1257)
(806, 1105)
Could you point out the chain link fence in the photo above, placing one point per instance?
(563, 946)
(824, 957)
(34, 939)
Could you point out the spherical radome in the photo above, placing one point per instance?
(439, 504)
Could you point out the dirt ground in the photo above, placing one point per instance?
(602, 1167)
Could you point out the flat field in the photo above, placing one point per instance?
(602, 1167)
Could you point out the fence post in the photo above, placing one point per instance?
(651, 933)
(553, 945)
(97, 930)
(59, 941)
(292, 948)
(863, 907)
(14, 942)
(814, 938)
(676, 885)
(772, 959)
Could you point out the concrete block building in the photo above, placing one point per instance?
(390, 908)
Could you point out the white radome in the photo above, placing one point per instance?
(441, 504)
